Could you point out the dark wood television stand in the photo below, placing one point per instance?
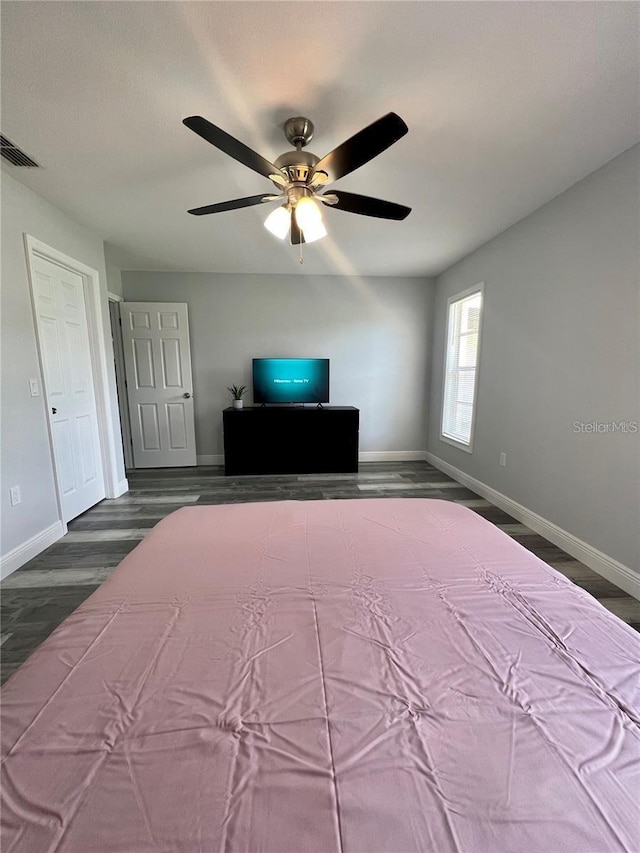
(290, 440)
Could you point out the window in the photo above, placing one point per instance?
(461, 367)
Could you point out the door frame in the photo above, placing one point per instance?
(121, 382)
(99, 362)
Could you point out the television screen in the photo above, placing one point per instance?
(291, 380)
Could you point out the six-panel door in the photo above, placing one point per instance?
(63, 339)
(155, 336)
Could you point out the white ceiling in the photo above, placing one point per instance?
(507, 103)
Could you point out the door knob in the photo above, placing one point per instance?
(54, 411)
(186, 395)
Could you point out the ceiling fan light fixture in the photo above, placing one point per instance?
(278, 221)
(314, 232)
(299, 175)
(309, 219)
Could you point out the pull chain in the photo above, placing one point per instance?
(301, 258)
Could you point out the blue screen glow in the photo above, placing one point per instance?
(291, 380)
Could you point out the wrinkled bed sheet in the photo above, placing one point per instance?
(366, 675)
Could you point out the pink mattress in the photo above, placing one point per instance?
(365, 675)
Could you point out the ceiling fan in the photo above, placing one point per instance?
(299, 176)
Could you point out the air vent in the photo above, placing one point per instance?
(14, 155)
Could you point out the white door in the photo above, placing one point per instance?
(66, 361)
(157, 361)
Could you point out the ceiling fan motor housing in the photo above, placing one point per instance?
(297, 165)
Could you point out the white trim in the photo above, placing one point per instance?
(97, 344)
(113, 297)
(611, 569)
(121, 488)
(121, 384)
(97, 341)
(31, 548)
(210, 459)
(391, 456)
(460, 446)
(447, 439)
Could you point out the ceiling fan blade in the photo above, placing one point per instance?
(279, 179)
(319, 179)
(296, 234)
(362, 147)
(367, 206)
(234, 204)
(230, 145)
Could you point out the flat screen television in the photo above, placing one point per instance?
(290, 380)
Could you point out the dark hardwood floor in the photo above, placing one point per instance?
(41, 594)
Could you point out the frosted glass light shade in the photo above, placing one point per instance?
(309, 219)
(314, 231)
(278, 222)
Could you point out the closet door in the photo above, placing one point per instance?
(63, 338)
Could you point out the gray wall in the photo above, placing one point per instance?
(374, 330)
(26, 458)
(114, 279)
(560, 343)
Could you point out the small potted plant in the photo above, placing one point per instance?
(236, 392)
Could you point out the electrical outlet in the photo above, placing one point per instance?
(33, 388)
(503, 460)
(14, 495)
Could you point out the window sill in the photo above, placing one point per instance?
(452, 441)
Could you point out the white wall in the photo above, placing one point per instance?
(374, 331)
(114, 281)
(114, 270)
(560, 343)
(25, 451)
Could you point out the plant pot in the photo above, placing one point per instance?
(238, 404)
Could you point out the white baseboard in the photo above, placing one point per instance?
(121, 488)
(611, 569)
(30, 549)
(391, 456)
(210, 459)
